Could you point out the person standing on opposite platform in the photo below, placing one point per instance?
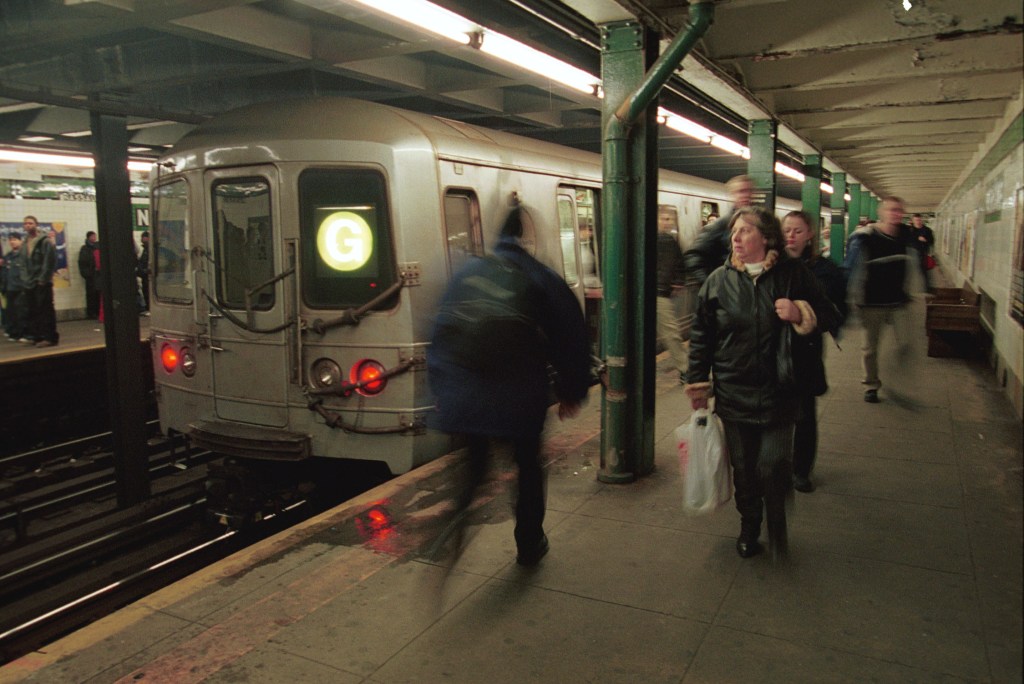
(502, 393)
(670, 277)
(14, 283)
(40, 265)
(712, 246)
(882, 265)
(743, 310)
(142, 270)
(796, 227)
(87, 269)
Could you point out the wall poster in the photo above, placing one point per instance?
(1017, 266)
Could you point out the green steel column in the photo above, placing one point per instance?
(761, 165)
(873, 209)
(616, 463)
(853, 219)
(626, 56)
(837, 230)
(810, 194)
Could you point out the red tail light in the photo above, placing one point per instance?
(370, 375)
(169, 358)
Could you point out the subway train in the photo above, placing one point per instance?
(300, 250)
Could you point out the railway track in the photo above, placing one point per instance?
(69, 556)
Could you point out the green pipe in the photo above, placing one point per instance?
(616, 466)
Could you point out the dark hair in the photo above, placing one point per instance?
(91, 232)
(15, 234)
(918, 216)
(30, 216)
(766, 222)
(806, 218)
(145, 233)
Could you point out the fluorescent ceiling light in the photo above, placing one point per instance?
(34, 138)
(825, 187)
(426, 15)
(62, 160)
(847, 197)
(784, 170)
(521, 54)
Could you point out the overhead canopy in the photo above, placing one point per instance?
(900, 99)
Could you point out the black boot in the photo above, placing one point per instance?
(747, 545)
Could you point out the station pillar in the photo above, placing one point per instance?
(761, 138)
(810, 193)
(120, 309)
(853, 219)
(872, 208)
(837, 229)
(628, 50)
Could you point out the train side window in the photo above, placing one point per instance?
(347, 253)
(462, 227)
(171, 244)
(707, 209)
(244, 241)
(567, 236)
(586, 219)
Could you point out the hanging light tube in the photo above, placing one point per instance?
(62, 160)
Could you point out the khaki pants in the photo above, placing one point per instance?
(669, 334)
(873, 319)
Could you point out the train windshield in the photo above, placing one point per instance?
(347, 257)
(170, 240)
(245, 244)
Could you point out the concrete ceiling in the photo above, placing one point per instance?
(899, 99)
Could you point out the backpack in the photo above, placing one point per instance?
(488, 319)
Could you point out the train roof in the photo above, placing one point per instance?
(258, 129)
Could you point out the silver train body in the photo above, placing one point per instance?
(300, 250)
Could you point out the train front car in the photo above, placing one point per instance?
(289, 322)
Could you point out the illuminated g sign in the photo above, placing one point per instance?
(344, 241)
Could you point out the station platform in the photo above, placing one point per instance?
(905, 566)
(74, 336)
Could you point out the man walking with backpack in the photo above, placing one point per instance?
(502, 321)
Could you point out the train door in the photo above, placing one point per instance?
(248, 310)
(577, 224)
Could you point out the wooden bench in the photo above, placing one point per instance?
(952, 320)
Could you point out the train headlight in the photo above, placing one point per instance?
(187, 362)
(169, 358)
(371, 374)
(325, 373)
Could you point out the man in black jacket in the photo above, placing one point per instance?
(883, 267)
(87, 269)
(712, 245)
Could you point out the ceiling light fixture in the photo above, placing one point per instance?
(62, 160)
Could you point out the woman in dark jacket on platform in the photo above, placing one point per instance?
(743, 310)
(796, 227)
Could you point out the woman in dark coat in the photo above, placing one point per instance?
(743, 309)
(796, 227)
(504, 393)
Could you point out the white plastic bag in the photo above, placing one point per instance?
(703, 463)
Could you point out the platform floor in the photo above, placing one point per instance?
(905, 567)
(74, 336)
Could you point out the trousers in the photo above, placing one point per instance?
(762, 473)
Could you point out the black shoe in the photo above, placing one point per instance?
(747, 548)
(533, 556)
(871, 396)
(803, 484)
